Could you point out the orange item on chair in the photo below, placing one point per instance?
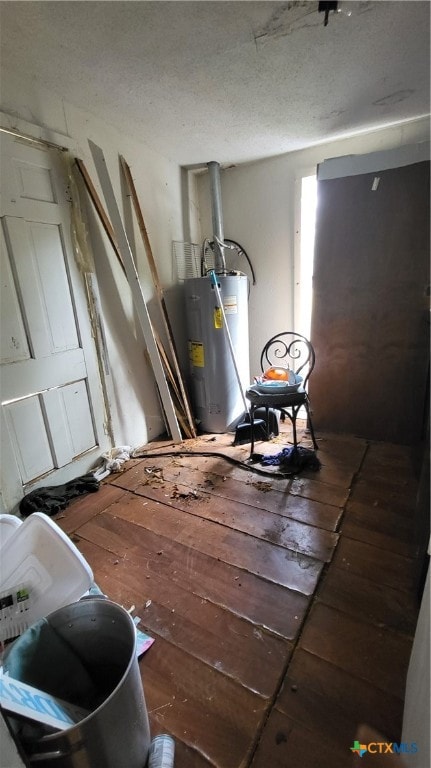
(276, 374)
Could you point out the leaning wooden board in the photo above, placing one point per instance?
(184, 399)
(135, 287)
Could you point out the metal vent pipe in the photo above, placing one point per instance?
(217, 215)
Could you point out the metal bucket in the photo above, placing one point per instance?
(116, 733)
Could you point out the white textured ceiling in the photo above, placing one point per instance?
(231, 81)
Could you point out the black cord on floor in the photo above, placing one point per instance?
(235, 462)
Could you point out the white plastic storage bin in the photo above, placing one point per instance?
(8, 525)
(39, 558)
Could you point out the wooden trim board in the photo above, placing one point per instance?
(138, 297)
(184, 398)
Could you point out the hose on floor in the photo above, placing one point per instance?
(256, 457)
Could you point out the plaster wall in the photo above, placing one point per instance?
(136, 414)
(260, 204)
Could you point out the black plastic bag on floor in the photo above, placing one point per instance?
(54, 499)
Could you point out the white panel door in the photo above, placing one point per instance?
(52, 416)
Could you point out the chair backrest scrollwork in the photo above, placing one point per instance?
(291, 350)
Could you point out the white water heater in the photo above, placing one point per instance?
(217, 321)
(217, 397)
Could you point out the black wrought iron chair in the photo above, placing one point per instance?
(288, 350)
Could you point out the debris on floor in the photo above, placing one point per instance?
(186, 495)
(153, 476)
(261, 485)
(112, 461)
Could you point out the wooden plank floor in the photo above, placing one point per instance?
(283, 609)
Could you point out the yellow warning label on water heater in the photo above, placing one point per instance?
(218, 318)
(196, 354)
